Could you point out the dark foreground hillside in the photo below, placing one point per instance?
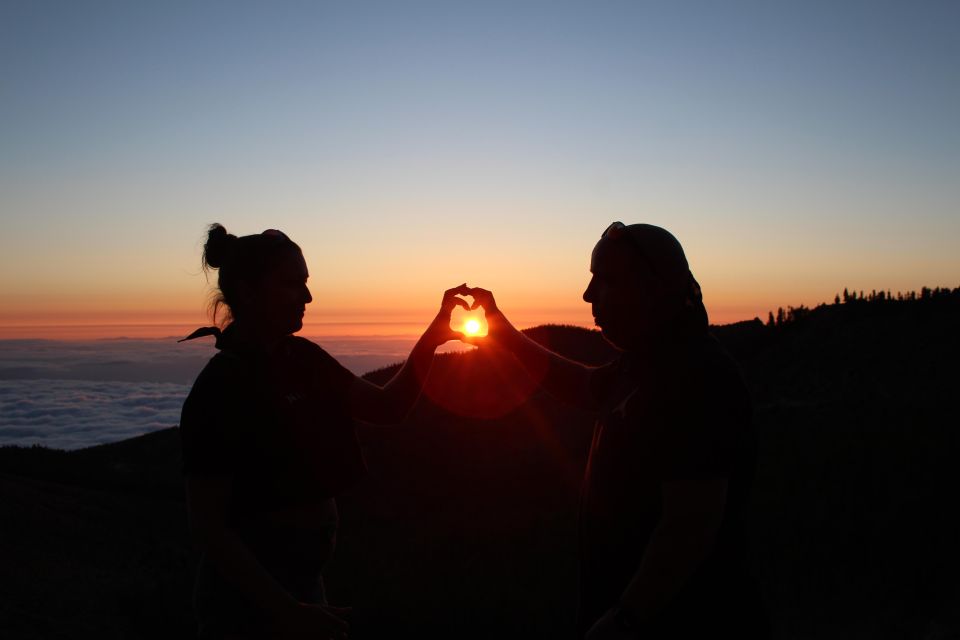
(464, 527)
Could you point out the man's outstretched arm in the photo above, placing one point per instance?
(563, 378)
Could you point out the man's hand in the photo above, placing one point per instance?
(498, 327)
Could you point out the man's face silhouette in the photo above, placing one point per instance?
(626, 298)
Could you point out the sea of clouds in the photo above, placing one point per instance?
(74, 394)
(70, 414)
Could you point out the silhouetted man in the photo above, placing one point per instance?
(672, 457)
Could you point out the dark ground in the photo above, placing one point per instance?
(464, 528)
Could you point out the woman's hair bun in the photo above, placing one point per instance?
(218, 247)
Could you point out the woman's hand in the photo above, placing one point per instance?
(391, 403)
(439, 330)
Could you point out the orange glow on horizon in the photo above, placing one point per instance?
(326, 317)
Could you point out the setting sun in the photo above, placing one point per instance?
(471, 327)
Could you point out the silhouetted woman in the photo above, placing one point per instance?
(269, 441)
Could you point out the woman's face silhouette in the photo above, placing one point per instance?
(279, 299)
(626, 298)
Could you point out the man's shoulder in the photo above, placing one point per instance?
(708, 363)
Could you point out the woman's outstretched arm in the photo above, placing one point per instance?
(392, 402)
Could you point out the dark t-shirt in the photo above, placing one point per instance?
(279, 427)
(679, 412)
(277, 424)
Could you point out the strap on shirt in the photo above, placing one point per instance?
(206, 331)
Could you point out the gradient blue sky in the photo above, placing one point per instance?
(794, 148)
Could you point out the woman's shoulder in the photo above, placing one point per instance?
(224, 371)
(310, 351)
(301, 345)
(217, 417)
(224, 365)
(310, 356)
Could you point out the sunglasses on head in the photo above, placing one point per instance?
(616, 231)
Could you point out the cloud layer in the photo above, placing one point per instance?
(70, 414)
